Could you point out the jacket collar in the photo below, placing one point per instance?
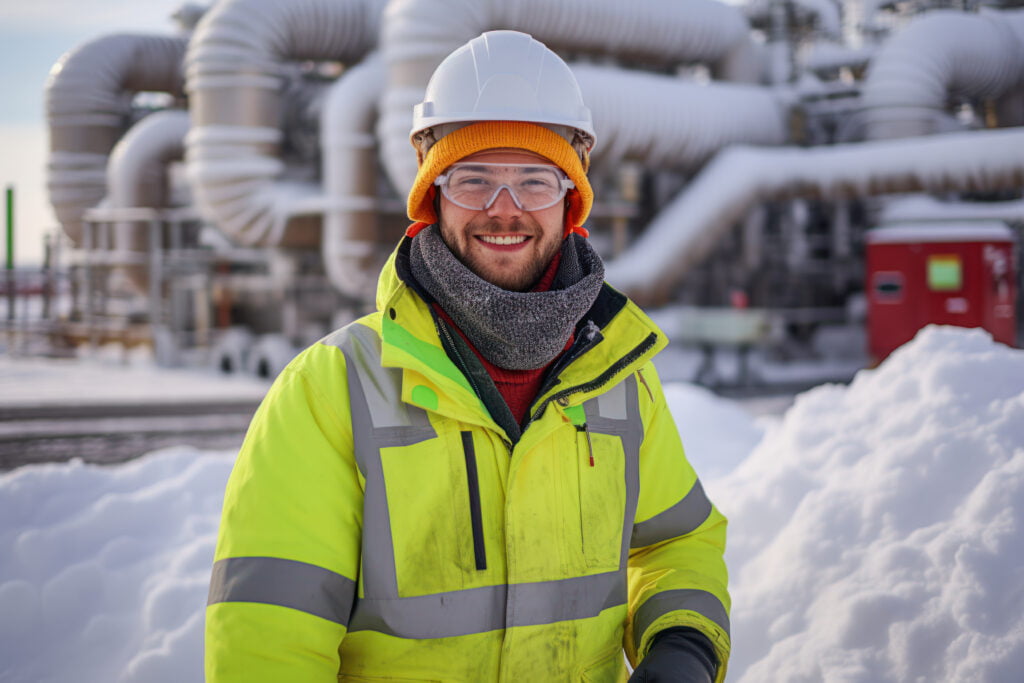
(621, 340)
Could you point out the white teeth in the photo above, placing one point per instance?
(508, 239)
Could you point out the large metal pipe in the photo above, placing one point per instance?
(137, 177)
(665, 122)
(739, 178)
(89, 106)
(351, 240)
(908, 84)
(236, 73)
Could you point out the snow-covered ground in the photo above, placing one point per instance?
(107, 377)
(876, 534)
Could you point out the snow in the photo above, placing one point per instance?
(876, 534)
(878, 530)
(104, 570)
(111, 376)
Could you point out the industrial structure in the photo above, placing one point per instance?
(230, 192)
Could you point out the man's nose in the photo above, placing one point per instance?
(503, 205)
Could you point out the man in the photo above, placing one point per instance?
(481, 481)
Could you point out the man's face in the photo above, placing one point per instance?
(503, 244)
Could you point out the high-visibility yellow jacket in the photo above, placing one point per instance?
(379, 524)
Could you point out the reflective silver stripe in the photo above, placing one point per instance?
(659, 604)
(285, 583)
(612, 404)
(617, 412)
(379, 420)
(679, 520)
(381, 387)
(478, 610)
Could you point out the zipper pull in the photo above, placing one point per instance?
(590, 446)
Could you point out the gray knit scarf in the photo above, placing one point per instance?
(513, 330)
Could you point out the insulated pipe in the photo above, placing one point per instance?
(88, 107)
(137, 177)
(687, 229)
(350, 178)
(235, 73)
(668, 123)
(908, 83)
(664, 33)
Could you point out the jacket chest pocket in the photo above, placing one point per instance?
(601, 470)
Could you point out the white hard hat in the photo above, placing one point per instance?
(503, 76)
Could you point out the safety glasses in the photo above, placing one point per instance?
(475, 185)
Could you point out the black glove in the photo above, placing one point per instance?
(678, 655)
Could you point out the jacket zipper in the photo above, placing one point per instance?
(475, 515)
(602, 379)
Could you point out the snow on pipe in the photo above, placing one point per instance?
(235, 69)
(669, 123)
(924, 208)
(686, 230)
(137, 177)
(666, 32)
(87, 111)
(350, 178)
(910, 79)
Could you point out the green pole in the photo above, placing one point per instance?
(10, 227)
(10, 252)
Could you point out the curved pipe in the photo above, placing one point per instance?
(235, 73)
(137, 177)
(687, 229)
(87, 111)
(668, 123)
(664, 33)
(909, 82)
(350, 178)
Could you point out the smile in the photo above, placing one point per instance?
(504, 240)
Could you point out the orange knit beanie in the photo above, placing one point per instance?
(484, 135)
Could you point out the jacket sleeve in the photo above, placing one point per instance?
(287, 558)
(677, 572)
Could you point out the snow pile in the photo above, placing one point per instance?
(104, 570)
(717, 433)
(877, 533)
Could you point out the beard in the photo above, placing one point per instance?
(514, 271)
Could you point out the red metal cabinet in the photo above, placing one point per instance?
(961, 274)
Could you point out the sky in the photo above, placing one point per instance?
(33, 36)
(876, 531)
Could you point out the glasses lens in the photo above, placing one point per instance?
(475, 186)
